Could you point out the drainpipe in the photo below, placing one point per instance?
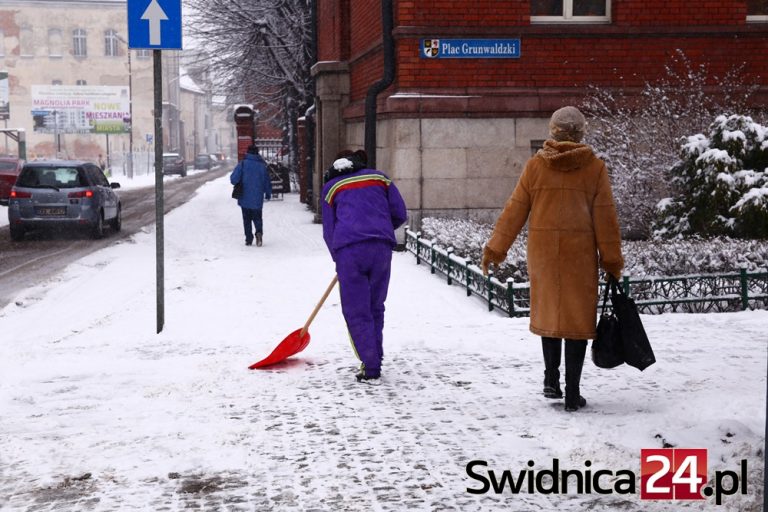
(387, 25)
(310, 113)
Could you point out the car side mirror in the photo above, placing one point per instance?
(114, 185)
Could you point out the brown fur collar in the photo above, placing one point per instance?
(565, 156)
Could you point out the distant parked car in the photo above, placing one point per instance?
(216, 160)
(174, 163)
(63, 193)
(10, 167)
(205, 162)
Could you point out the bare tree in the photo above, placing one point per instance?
(258, 51)
(639, 135)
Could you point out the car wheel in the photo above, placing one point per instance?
(117, 222)
(97, 231)
(17, 234)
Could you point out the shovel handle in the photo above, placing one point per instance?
(319, 305)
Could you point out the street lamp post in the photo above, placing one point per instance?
(130, 107)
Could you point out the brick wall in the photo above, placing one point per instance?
(462, 13)
(679, 12)
(632, 49)
(365, 29)
(578, 62)
(333, 28)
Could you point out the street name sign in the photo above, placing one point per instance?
(470, 48)
(154, 24)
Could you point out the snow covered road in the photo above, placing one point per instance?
(101, 413)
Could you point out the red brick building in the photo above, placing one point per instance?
(455, 132)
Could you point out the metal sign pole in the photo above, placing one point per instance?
(156, 27)
(159, 235)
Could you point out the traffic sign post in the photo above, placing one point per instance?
(159, 207)
(156, 25)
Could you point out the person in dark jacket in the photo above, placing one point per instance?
(361, 210)
(252, 170)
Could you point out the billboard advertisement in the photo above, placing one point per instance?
(5, 106)
(81, 109)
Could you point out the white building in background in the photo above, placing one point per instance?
(84, 43)
(195, 113)
(223, 135)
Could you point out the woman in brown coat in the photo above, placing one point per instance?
(565, 195)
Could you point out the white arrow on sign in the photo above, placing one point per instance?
(154, 14)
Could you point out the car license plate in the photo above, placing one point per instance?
(51, 211)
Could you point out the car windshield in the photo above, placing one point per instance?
(169, 159)
(58, 177)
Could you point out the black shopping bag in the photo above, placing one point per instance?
(607, 350)
(636, 347)
(237, 190)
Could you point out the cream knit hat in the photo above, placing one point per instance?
(567, 124)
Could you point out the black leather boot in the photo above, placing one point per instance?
(552, 347)
(574, 362)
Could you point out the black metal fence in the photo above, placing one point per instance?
(653, 295)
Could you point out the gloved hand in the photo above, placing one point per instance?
(484, 264)
(490, 257)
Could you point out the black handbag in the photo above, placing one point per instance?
(237, 189)
(607, 350)
(635, 344)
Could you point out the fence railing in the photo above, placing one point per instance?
(695, 293)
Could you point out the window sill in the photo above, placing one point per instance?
(57, 57)
(757, 19)
(580, 20)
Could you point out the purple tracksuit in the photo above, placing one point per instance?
(361, 210)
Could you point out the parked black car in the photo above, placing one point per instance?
(174, 163)
(206, 162)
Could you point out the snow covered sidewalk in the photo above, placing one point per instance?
(100, 413)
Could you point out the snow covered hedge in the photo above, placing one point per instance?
(638, 133)
(643, 258)
(720, 184)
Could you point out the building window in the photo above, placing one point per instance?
(548, 11)
(79, 43)
(55, 43)
(110, 43)
(757, 10)
(536, 145)
(81, 82)
(143, 54)
(26, 41)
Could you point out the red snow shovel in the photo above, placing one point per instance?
(297, 340)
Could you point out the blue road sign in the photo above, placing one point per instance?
(470, 48)
(154, 24)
